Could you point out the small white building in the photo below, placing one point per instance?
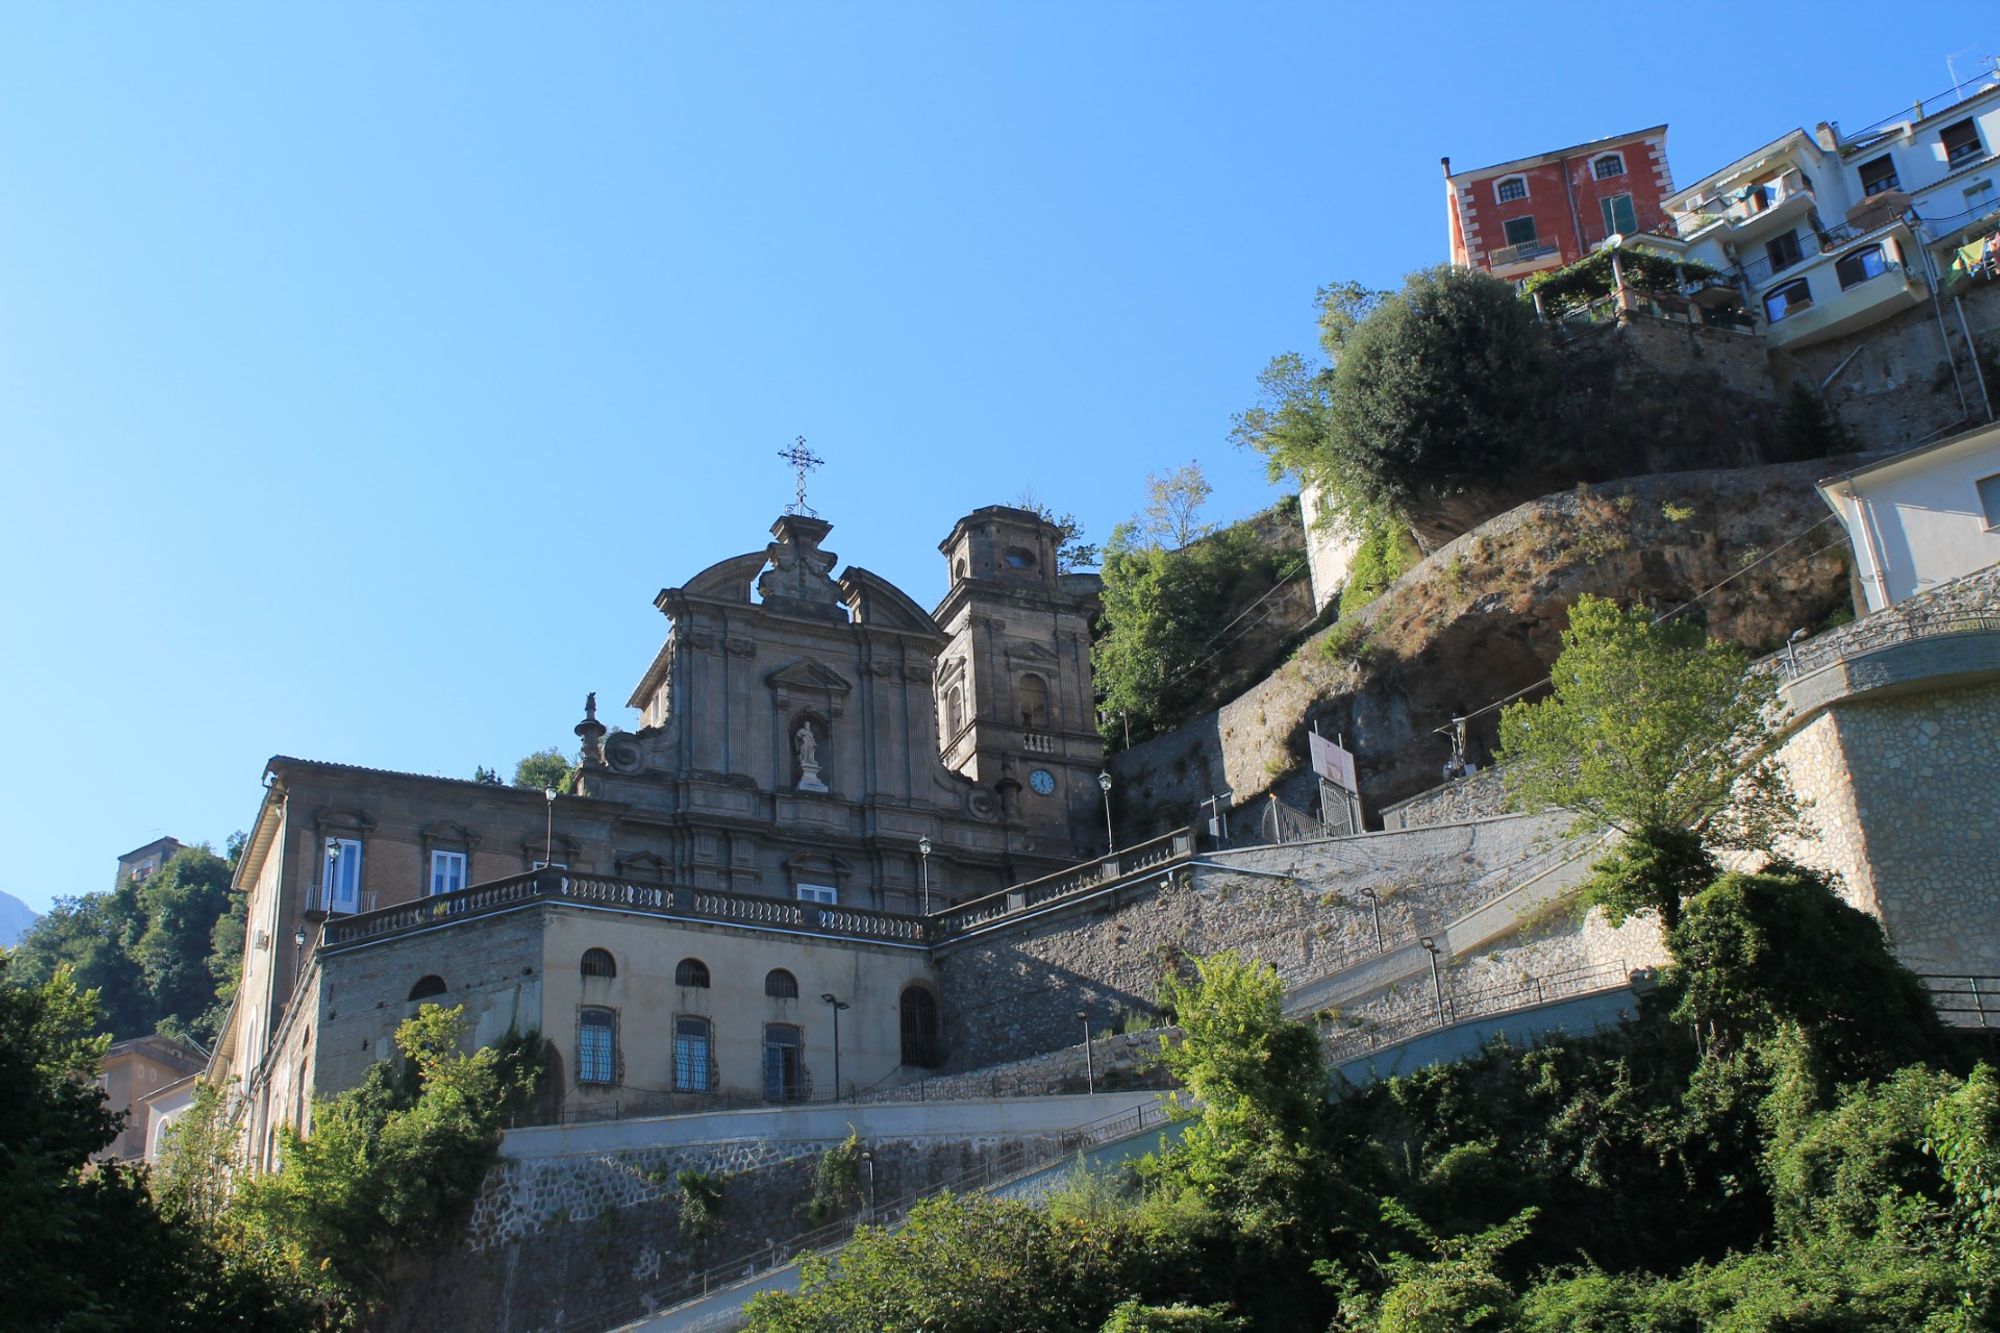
(1923, 517)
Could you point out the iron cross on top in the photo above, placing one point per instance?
(803, 460)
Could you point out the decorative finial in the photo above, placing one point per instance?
(590, 705)
(803, 460)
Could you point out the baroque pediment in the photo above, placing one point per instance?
(807, 681)
(726, 580)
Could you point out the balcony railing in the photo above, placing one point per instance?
(1035, 743)
(1739, 206)
(318, 903)
(1521, 253)
(666, 900)
(1979, 81)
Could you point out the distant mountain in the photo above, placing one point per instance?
(15, 918)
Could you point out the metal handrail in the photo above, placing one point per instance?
(1883, 629)
(1464, 1006)
(1982, 991)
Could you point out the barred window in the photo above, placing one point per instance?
(693, 1048)
(691, 972)
(599, 963)
(596, 1047)
(781, 985)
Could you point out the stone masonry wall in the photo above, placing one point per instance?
(595, 1240)
(1016, 993)
(1921, 771)
(1480, 795)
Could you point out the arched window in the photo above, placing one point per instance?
(599, 963)
(1510, 188)
(1608, 165)
(691, 972)
(781, 985)
(954, 711)
(920, 1029)
(1034, 696)
(427, 987)
(1786, 301)
(1857, 266)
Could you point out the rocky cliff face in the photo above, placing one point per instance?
(1481, 618)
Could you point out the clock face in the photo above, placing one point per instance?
(1042, 781)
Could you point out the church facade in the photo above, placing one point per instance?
(730, 906)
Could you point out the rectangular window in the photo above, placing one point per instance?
(596, 1047)
(1961, 144)
(1989, 500)
(1783, 251)
(818, 893)
(1859, 266)
(340, 890)
(692, 1046)
(1608, 166)
(1619, 217)
(1879, 175)
(447, 872)
(784, 1072)
(1786, 301)
(1979, 197)
(1520, 231)
(1510, 189)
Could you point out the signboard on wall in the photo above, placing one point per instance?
(1333, 763)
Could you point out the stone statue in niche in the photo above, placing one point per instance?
(807, 746)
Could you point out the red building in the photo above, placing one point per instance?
(1541, 212)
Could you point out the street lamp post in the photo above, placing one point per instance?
(332, 873)
(1437, 980)
(924, 874)
(549, 828)
(1104, 785)
(1089, 1060)
(1375, 912)
(837, 1005)
(299, 946)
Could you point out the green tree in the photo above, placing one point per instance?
(1257, 1089)
(1654, 730)
(1445, 386)
(485, 776)
(182, 903)
(1165, 614)
(545, 770)
(84, 1248)
(1757, 954)
(391, 1166)
(1174, 501)
(93, 936)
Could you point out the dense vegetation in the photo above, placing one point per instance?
(162, 953)
(1778, 1142)
(83, 1247)
(1445, 386)
(388, 1173)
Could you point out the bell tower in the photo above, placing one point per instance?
(1016, 713)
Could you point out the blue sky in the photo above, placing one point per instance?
(366, 369)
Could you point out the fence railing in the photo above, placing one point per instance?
(1880, 630)
(1979, 81)
(1965, 1002)
(556, 885)
(1124, 864)
(1463, 1005)
(1010, 1162)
